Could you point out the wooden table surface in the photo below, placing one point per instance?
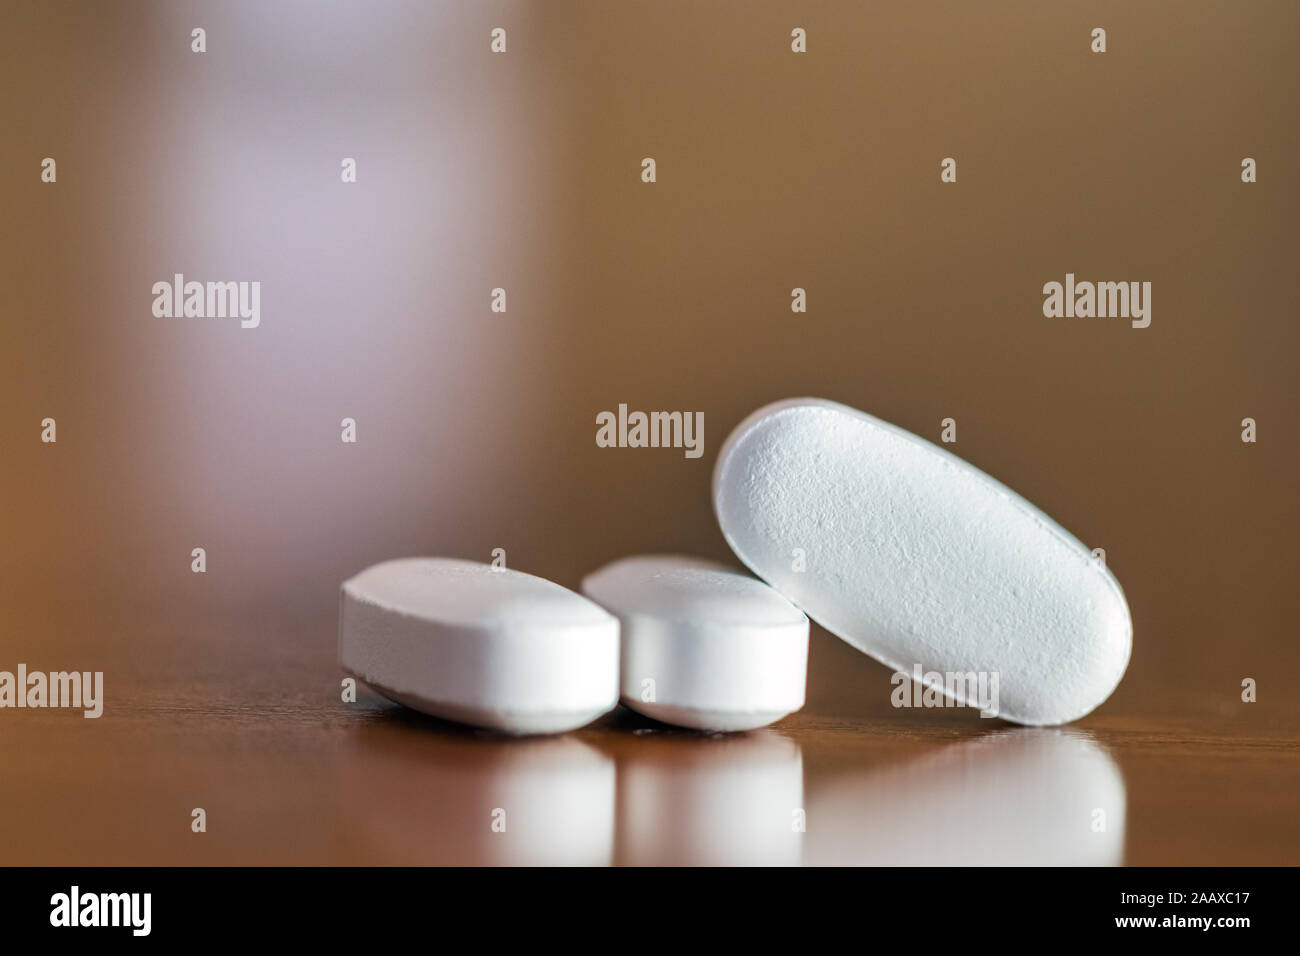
(249, 726)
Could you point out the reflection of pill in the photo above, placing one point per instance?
(918, 558)
(695, 800)
(704, 646)
(471, 800)
(480, 645)
(1013, 798)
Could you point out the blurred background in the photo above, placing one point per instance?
(775, 170)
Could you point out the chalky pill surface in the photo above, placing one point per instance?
(715, 648)
(490, 647)
(917, 557)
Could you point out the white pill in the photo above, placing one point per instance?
(704, 646)
(484, 646)
(918, 558)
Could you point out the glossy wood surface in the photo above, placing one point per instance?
(253, 731)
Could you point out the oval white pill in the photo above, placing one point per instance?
(704, 646)
(485, 646)
(918, 558)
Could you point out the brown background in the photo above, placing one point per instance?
(476, 430)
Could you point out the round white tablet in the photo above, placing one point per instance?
(480, 645)
(922, 561)
(704, 646)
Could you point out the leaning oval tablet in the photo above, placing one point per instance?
(922, 561)
(480, 645)
(703, 645)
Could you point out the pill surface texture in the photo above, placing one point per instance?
(916, 557)
(703, 645)
(480, 645)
